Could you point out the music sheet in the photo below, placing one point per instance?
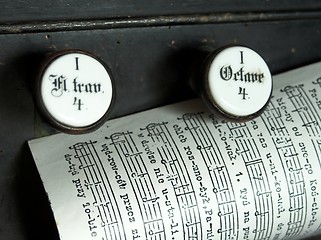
(178, 172)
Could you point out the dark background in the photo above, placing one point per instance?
(149, 47)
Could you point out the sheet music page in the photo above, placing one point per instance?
(177, 172)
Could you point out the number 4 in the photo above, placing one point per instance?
(242, 93)
(78, 103)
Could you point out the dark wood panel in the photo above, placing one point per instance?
(33, 10)
(150, 68)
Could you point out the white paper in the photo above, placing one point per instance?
(177, 172)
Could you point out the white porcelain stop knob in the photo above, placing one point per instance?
(75, 91)
(237, 83)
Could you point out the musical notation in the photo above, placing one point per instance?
(141, 182)
(176, 175)
(309, 114)
(220, 180)
(97, 184)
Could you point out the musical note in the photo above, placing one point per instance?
(289, 155)
(267, 193)
(151, 199)
(217, 168)
(209, 147)
(296, 170)
(190, 224)
(257, 213)
(130, 155)
(152, 233)
(311, 124)
(220, 214)
(225, 230)
(258, 231)
(295, 209)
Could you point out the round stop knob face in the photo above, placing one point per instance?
(238, 82)
(76, 90)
